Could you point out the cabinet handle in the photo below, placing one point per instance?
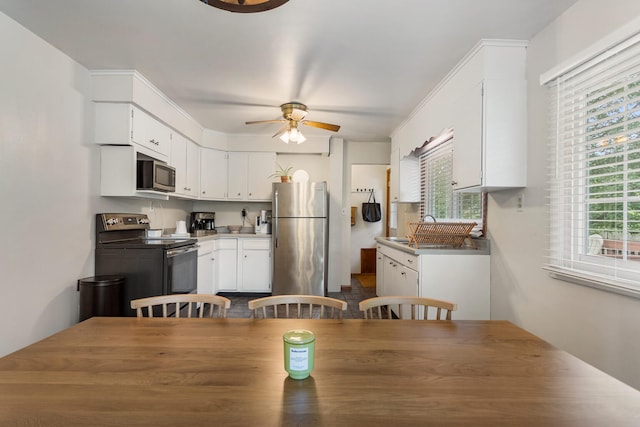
(403, 273)
(410, 261)
(454, 183)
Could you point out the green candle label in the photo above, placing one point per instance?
(299, 359)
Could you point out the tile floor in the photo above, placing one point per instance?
(352, 296)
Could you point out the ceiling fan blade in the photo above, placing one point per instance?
(298, 114)
(281, 131)
(265, 121)
(321, 125)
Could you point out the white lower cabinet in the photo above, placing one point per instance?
(243, 264)
(226, 265)
(254, 265)
(380, 261)
(463, 279)
(399, 277)
(205, 268)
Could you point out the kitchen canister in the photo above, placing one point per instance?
(299, 348)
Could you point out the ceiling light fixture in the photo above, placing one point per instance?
(245, 6)
(293, 134)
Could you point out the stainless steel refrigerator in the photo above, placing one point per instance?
(300, 238)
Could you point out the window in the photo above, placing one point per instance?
(437, 196)
(595, 173)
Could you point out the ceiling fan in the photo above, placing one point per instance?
(293, 114)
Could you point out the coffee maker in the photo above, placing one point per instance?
(203, 223)
(263, 222)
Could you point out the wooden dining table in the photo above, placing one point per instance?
(227, 372)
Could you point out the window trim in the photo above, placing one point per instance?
(566, 266)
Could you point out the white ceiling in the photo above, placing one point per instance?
(362, 64)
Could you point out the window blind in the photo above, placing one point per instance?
(437, 195)
(594, 226)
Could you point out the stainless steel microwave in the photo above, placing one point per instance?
(155, 175)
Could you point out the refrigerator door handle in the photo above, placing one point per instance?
(274, 218)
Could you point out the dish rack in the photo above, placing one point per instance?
(439, 233)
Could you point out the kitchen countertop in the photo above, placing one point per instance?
(231, 235)
(483, 247)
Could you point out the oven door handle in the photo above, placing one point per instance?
(175, 252)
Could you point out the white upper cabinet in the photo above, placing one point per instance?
(261, 167)
(185, 157)
(249, 175)
(489, 137)
(118, 166)
(238, 167)
(125, 124)
(484, 100)
(213, 174)
(405, 178)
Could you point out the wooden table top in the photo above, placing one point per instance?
(197, 372)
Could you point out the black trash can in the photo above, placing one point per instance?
(100, 296)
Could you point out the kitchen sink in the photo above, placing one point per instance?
(398, 239)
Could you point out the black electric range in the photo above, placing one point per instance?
(150, 266)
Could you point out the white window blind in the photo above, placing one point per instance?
(438, 198)
(595, 172)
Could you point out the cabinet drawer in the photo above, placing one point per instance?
(404, 258)
(205, 248)
(226, 244)
(253, 243)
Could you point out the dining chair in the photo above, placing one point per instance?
(415, 307)
(217, 305)
(296, 306)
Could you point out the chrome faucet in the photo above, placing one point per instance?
(428, 216)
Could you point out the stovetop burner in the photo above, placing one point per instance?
(118, 230)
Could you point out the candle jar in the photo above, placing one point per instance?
(299, 348)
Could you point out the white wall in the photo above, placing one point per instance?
(599, 327)
(48, 188)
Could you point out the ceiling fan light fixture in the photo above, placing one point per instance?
(293, 135)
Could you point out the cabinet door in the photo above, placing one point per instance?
(394, 179)
(468, 140)
(150, 133)
(406, 285)
(255, 265)
(237, 184)
(261, 166)
(409, 179)
(185, 157)
(213, 174)
(380, 275)
(205, 268)
(226, 267)
(193, 169)
(179, 161)
(389, 276)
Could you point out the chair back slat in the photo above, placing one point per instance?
(324, 307)
(415, 307)
(216, 305)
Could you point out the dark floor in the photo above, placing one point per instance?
(352, 296)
